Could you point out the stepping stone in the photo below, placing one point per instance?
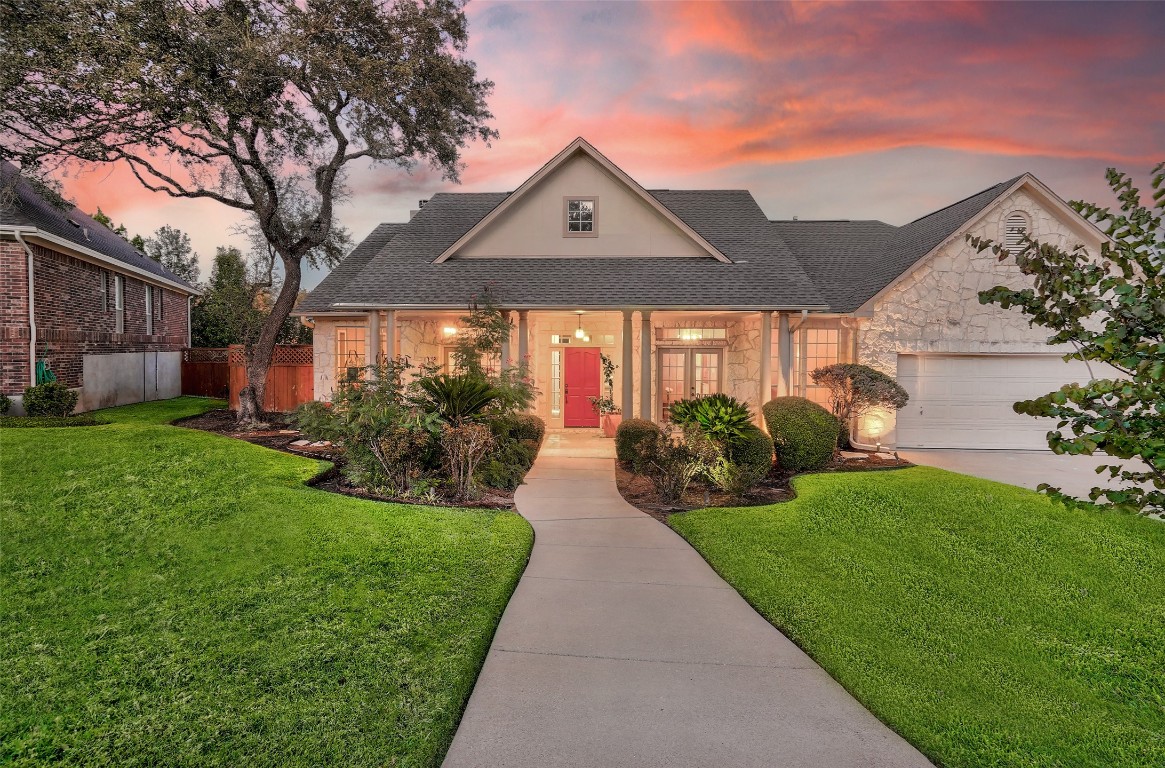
(300, 443)
(852, 455)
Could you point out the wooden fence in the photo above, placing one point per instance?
(220, 372)
(290, 379)
(205, 372)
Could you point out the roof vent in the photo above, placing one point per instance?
(74, 223)
(421, 203)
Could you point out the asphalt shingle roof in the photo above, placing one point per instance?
(834, 265)
(22, 206)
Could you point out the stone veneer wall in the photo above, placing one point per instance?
(936, 308)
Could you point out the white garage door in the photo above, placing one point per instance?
(964, 401)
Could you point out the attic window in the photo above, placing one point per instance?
(1014, 229)
(581, 216)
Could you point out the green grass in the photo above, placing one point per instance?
(173, 597)
(987, 625)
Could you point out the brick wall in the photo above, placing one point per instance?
(14, 375)
(73, 319)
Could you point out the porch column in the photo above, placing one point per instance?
(390, 335)
(372, 343)
(627, 404)
(506, 342)
(766, 359)
(523, 336)
(645, 410)
(785, 350)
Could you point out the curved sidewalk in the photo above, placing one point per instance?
(622, 647)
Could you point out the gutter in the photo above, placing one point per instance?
(31, 313)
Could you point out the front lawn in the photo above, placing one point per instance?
(981, 621)
(174, 597)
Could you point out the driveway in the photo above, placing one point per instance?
(1075, 475)
(622, 647)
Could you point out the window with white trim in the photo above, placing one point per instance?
(149, 310)
(103, 284)
(581, 220)
(161, 303)
(119, 303)
(1014, 229)
(350, 352)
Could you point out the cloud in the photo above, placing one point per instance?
(922, 102)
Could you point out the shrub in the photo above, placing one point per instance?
(37, 422)
(465, 446)
(720, 417)
(672, 461)
(628, 436)
(5, 404)
(754, 452)
(527, 426)
(855, 389)
(507, 465)
(456, 398)
(49, 399)
(804, 434)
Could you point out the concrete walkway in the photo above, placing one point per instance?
(621, 647)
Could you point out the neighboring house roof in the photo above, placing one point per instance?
(22, 207)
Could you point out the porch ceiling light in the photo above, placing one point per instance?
(579, 333)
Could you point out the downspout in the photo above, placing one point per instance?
(31, 314)
(189, 326)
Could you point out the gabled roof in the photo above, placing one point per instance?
(579, 145)
(23, 208)
(835, 266)
(762, 271)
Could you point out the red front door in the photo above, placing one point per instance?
(580, 383)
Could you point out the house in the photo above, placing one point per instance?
(698, 291)
(109, 321)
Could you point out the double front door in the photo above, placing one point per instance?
(687, 373)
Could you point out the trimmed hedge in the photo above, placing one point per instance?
(804, 434)
(628, 436)
(37, 422)
(49, 399)
(753, 452)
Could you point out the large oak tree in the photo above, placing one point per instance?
(257, 104)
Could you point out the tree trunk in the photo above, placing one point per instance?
(258, 357)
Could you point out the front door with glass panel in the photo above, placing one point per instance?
(685, 373)
(580, 384)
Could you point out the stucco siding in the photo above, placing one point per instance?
(626, 224)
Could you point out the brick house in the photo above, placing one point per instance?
(110, 321)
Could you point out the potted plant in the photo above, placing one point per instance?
(611, 415)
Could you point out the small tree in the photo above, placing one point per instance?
(856, 389)
(171, 248)
(1111, 308)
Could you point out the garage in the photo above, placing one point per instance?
(964, 401)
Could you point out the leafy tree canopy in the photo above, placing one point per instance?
(257, 104)
(171, 248)
(1110, 307)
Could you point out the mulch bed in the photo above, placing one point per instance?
(283, 436)
(638, 491)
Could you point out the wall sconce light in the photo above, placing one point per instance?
(449, 330)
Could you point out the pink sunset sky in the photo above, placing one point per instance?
(834, 110)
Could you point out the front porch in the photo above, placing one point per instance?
(688, 353)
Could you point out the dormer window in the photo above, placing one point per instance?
(1014, 229)
(581, 218)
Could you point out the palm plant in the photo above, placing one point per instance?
(720, 417)
(456, 398)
